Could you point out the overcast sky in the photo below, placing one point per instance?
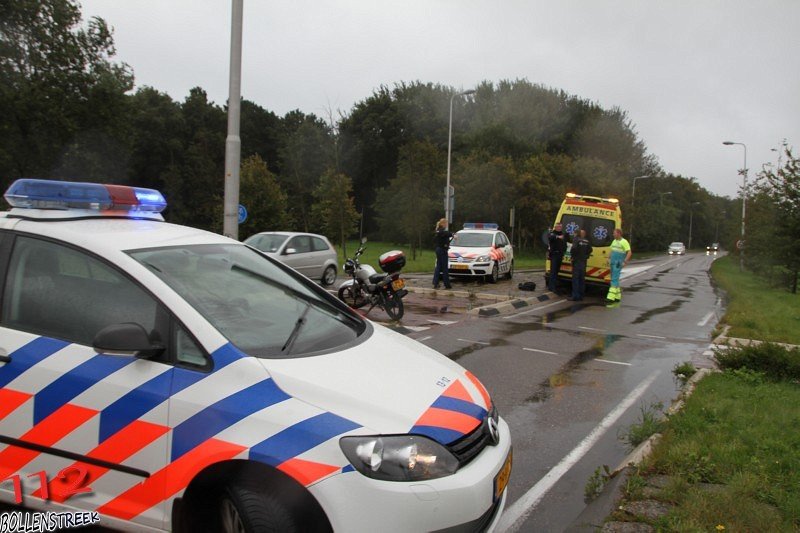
(690, 74)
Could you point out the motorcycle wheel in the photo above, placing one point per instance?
(393, 307)
(352, 296)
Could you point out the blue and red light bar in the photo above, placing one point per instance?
(481, 225)
(65, 195)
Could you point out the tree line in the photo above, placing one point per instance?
(68, 111)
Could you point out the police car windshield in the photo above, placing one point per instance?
(472, 239)
(255, 303)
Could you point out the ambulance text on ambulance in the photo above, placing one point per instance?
(592, 211)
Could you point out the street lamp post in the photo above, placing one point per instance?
(691, 217)
(633, 198)
(661, 196)
(448, 214)
(744, 198)
(233, 143)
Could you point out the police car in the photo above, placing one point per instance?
(168, 378)
(481, 249)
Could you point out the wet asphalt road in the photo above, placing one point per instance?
(558, 370)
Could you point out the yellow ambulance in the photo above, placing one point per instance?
(599, 217)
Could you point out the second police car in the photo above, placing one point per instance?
(167, 378)
(481, 249)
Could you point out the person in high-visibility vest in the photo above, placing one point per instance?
(620, 255)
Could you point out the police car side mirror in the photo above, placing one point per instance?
(127, 338)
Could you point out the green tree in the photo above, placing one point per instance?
(260, 192)
(333, 210)
(56, 79)
(778, 193)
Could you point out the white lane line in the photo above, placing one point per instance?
(425, 338)
(633, 271)
(534, 309)
(590, 329)
(442, 322)
(417, 329)
(705, 319)
(623, 276)
(539, 351)
(515, 515)
(612, 362)
(474, 342)
(650, 336)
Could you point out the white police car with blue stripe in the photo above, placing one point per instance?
(167, 378)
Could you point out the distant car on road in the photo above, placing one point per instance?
(712, 249)
(310, 254)
(676, 248)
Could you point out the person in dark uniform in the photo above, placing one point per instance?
(442, 242)
(580, 252)
(557, 246)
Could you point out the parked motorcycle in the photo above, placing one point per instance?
(366, 286)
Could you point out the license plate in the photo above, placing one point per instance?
(502, 477)
(459, 267)
(398, 284)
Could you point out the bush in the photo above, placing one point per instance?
(774, 361)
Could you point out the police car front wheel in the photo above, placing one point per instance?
(495, 275)
(246, 508)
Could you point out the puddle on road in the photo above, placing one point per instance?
(563, 377)
(647, 315)
(458, 354)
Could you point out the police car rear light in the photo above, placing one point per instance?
(64, 195)
(481, 225)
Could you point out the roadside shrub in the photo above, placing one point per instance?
(684, 371)
(652, 422)
(774, 361)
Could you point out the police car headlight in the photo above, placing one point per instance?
(482, 259)
(398, 457)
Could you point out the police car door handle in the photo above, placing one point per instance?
(4, 357)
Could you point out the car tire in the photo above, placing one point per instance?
(510, 273)
(245, 507)
(494, 276)
(329, 276)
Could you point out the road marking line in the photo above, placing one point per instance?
(590, 329)
(534, 309)
(474, 342)
(612, 362)
(706, 319)
(650, 336)
(417, 329)
(515, 515)
(442, 322)
(425, 338)
(539, 351)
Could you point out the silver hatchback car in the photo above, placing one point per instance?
(310, 254)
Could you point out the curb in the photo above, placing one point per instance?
(595, 513)
(510, 305)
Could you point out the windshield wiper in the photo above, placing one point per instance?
(330, 308)
(296, 330)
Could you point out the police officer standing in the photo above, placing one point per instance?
(580, 252)
(557, 246)
(442, 243)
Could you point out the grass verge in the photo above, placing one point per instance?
(755, 310)
(426, 259)
(732, 457)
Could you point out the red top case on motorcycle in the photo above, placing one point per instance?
(393, 261)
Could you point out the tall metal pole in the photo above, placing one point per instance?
(744, 199)
(447, 212)
(633, 198)
(233, 143)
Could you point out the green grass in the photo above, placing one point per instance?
(426, 259)
(741, 435)
(755, 310)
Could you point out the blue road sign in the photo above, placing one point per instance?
(242, 214)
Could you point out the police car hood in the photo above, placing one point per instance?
(388, 384)
(469, 252)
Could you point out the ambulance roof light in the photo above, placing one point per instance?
(571, 195)
(65, 195)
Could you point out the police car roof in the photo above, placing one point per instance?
(108, 235)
